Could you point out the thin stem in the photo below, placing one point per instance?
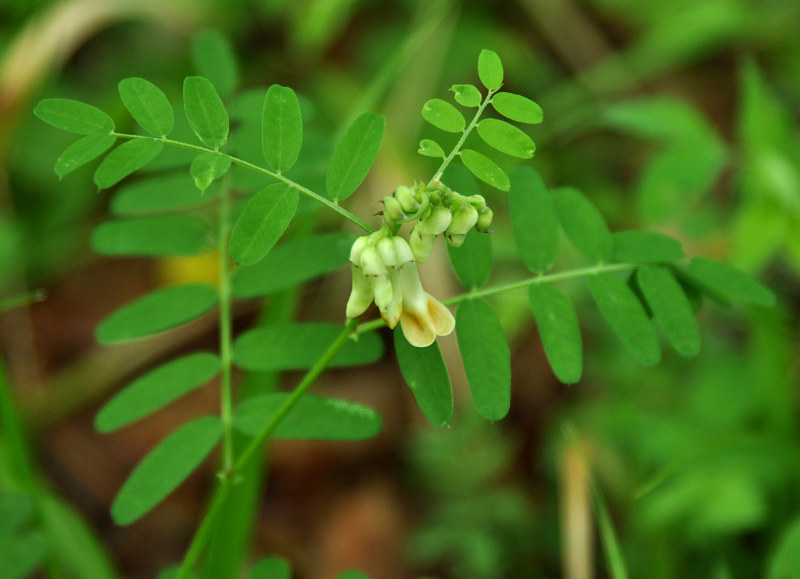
(225, 329)
(457, 149)
(277, 176)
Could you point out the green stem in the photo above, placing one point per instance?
(229, 478)
(457, 149)
(277, 176)
(225, 329)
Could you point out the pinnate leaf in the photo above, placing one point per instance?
(517, 108)
(159, 235)
(166, 467)
(82, 151)
(213, 58)
(467, 95)
(490, 69)
(205, 111)
(646, 247)
(281, 128)
(506, 138)
(126, 159)
(292, 263)
(670, 307)
(262, 222)
(486, 356)
(430, 148)
(295, 346)
(74, 116)
(158, 194)
(156, 389)
(485, 169)
(147, 105)
(472, 261)
(584, 224)
(534, 220)
(442, 115)
(559, 331)
(726, 283)
(354, 155)
(207, 167)
(626, 315)
(312, 418)
(156, 312)
(424, 371)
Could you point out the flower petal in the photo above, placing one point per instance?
(417, 330)
(360, 296)
(442, 320)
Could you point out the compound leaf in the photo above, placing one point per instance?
(646, 247)
(298, 346)
(726, 283)
(485, 169)
(263, 220)
(82, 151)
(559, 331)
(583, 224)
(74, 116)
(517, 108)
(156, 389)
(467, 95)
(166, 467)
(160, 235)
(205, 111)
(281, 128)
(490, 69)
(147, 105)
(156, 312)
(354, 155)
(207, 167)
(506, 138)
(126, 159)
(671, 308)
(312, 418)
(533, 219)
(424, 371)
(158, 194)
(626, 315)
(486, 356)
(442, 115)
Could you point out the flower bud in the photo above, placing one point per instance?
(371, 262)
(403, 250)
(421, 244)
(357, 248)
(407, 200)
(485, 217)
(436, 222)
(456, 239)
(464, 218)
(392, 210)
(361, 294)
(387, 251)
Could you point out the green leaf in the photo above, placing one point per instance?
(271, 568)
(517, 108)
(490, 69)
(467, 95)
(281, 128)
(671, 308)
(785, 558)
(559, 331)
(430, 148)
(485, 169)
(583, 224)
(166, 467)
(82, 151)
(205, 111)
(506, 138)
(424, 371)
(156, 389)
(291, 264)
(157, 195)
(160, 235)
(262, 222)
(296, 346)
(660, 118)
(208, 167)
(126, 159)
(73, 116)
(486, 356)
(22, 554)
(312, 418)
(726, 283)
(354, 155)
(442, 115)
(534, 220)
(213, 58)
(626, 316)
(156, 312)
(147, 105)
(472, 261)
(646, 247)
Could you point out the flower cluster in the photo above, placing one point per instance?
(384, 271)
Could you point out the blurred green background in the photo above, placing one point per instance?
(678, 116)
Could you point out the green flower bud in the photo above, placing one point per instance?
(464, 218)
(436, 222)
(456, 239)
(357, 248)
(372, 262)
(407, 200)
(392, 210)
(403, 251)
(485, 217)
(421, 244)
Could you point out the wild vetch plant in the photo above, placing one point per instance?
(239, 198)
